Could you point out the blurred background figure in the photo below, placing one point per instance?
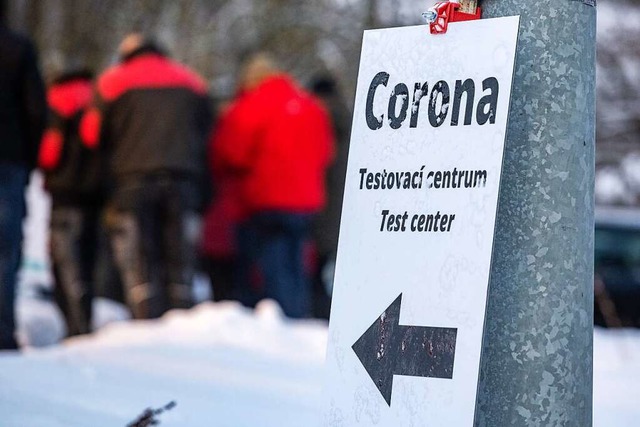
(327, 224)
(73, 178)
(280, 138)
(151, 117)
(22, 120)
(218, 246)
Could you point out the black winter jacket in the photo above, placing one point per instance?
(151, 115)
(22, 100)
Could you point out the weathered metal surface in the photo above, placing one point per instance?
(588, 2)
(536, 368)
(468, 6)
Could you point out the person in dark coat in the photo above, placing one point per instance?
(151, 118)
(279, 138)
(327, 225)
(73, 175)
(22, 120)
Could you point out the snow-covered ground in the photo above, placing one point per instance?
(221, 364)
(616, 377)
(224, 365)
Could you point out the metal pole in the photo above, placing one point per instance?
(468, 6)
(536, 367)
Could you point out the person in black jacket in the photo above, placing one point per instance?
(327, 225)
(22, 119)
(73, 175)
(151, 118)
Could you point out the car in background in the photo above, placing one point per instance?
(617, 267)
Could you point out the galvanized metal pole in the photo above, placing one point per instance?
(536, 367)
(468, 6)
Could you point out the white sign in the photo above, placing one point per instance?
(417, 225)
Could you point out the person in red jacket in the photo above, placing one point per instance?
(73, 175)
(151, 118)
(280, 138)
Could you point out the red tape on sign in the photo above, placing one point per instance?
(444, 12)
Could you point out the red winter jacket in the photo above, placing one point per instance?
(281, 138)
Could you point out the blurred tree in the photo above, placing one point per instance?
(618, 62)
(308, 37)
(211, 35)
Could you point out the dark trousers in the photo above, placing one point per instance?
(73, 248)
(151, 245)
(106, 275)
(221, 272)
(273, 243)
(321, 296)
(13, 179)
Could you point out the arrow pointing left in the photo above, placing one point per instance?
(388, 348)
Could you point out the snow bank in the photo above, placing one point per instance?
(222, 364)
(616, 377)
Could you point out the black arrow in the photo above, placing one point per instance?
(388, 348)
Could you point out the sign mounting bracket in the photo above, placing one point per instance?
(442, 13)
